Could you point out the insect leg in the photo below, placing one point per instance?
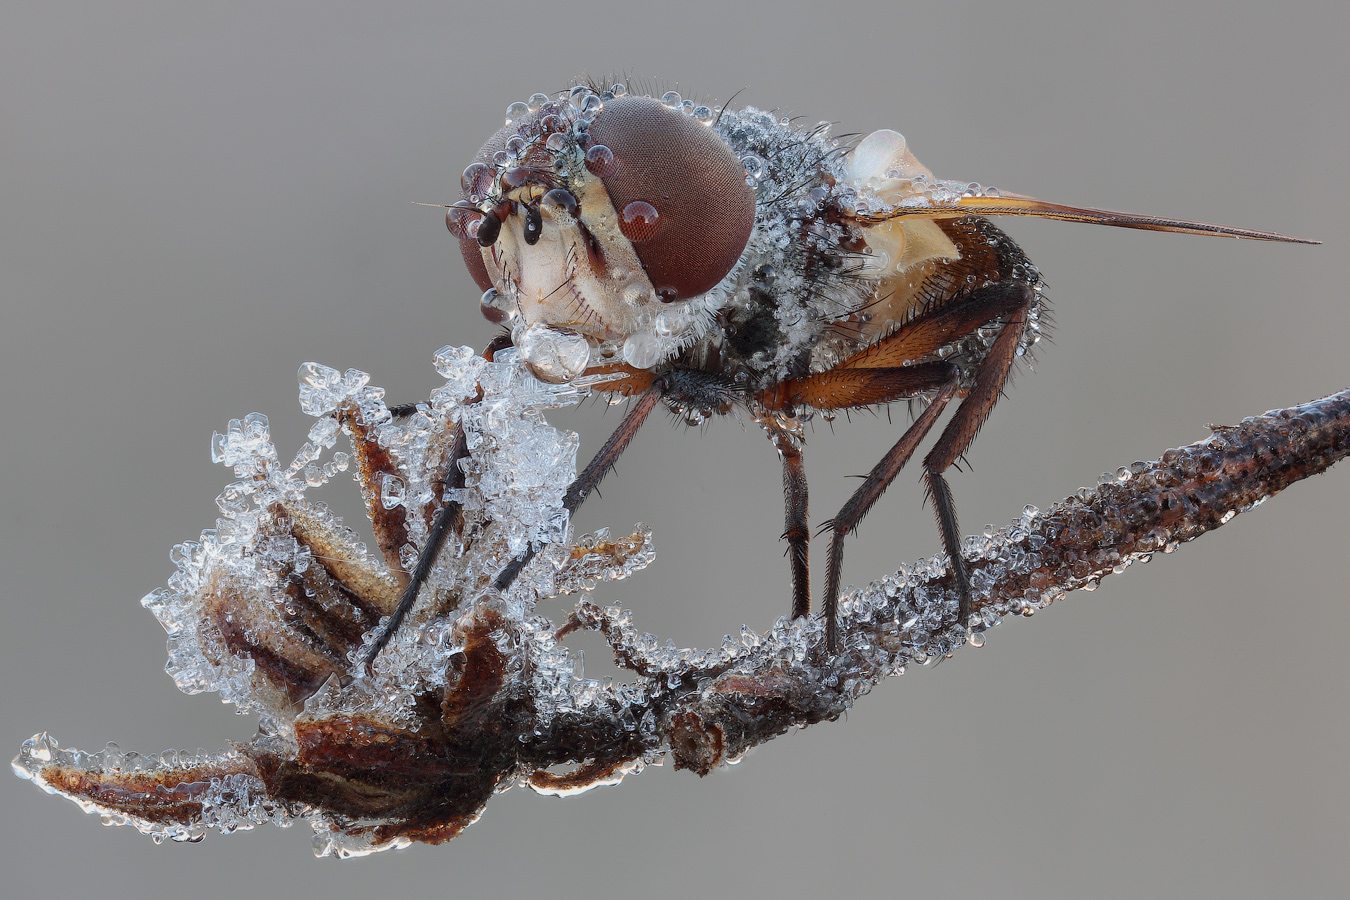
(595, 470)
(942, 376)
(449, 517)
(956, 438)
(796, 530)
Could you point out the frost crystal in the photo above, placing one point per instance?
(269, 608)
(476, 691)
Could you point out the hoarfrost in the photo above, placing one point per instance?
(476, 691)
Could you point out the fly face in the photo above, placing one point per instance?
(592, 222)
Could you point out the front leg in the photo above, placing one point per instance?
(682, 390)
(595, 470)
(449, 517)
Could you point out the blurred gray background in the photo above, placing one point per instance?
(197, 201)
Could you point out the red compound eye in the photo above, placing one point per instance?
(680, 193)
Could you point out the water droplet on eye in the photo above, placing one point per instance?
(687, 107)
(672, 100)
(556, 141)
(592, 106)
(472, 176)
(458, 219)
(639, 221)
(515, 111)
(516, 147)
(619, 89)
(704, 115)
(501, 159)
(496, 308)
(577, 96)
(600, 161)
(537, 101)
(642, 350)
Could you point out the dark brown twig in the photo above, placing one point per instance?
(505, 710)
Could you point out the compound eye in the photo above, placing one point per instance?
(464, 221)
(680, 193)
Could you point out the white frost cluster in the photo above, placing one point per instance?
(518, 470)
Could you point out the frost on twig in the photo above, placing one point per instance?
(476, 692)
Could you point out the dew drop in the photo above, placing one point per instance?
(495, 308)
(515, 111)
(515, 177)
(672, 100)
(670, 321)
(473, 178)
(636, 292)
(458, 220)
(553, 355)
(639, 221)
(642, 350)
(600, 161)
(561, 206)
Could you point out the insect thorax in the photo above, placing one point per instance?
(806, 292)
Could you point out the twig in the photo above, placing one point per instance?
(482, 692)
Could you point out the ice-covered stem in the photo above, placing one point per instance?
(271, 607)
(1139, 511)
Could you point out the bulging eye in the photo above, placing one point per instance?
(679, 191)
(464, 223)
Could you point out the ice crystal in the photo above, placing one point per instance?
(477, 691)
(258, 605)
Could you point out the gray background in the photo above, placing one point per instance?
(195, 202)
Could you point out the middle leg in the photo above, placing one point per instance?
(786, 434)
(945, 379)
